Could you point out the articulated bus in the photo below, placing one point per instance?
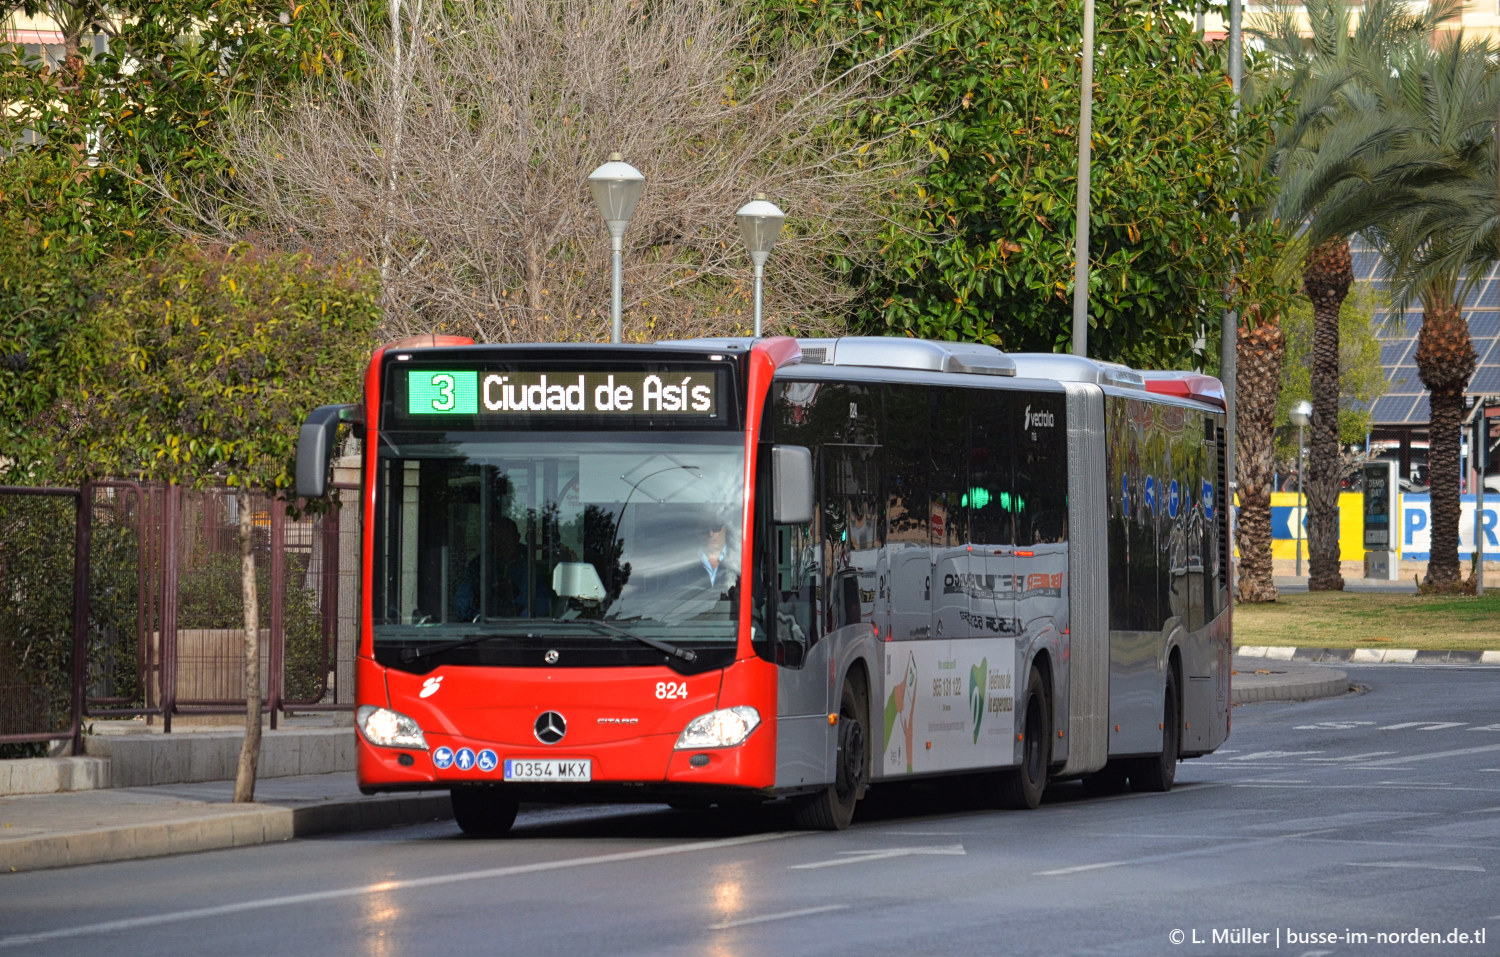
(743, 570)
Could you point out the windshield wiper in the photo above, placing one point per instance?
(412, 654)
(686, 654)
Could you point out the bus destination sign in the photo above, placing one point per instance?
(470, 392)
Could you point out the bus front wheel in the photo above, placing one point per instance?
(483, 811)
(832, 809)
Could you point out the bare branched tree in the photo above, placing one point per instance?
(459, 161)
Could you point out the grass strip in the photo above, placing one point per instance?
(1333, 619)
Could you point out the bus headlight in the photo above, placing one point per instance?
(389, 729)
(719, 729)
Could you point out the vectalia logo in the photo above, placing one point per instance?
(430, 687)
(1036, 420)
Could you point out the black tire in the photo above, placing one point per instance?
(1159, 772)
(832, 809)
(1021, 788)
(1108, 780)
(483, 811)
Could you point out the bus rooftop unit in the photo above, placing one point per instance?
(728, 571)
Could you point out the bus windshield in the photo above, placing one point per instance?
(532, 533)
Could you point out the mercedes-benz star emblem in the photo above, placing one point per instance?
(550, 727)
(551, 656)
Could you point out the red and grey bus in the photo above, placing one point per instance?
(743, 570)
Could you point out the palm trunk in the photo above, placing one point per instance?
(1445, 361)
(1261, 349)
(244, 778)
(1327, 279)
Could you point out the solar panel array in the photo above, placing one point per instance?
(1405, 399)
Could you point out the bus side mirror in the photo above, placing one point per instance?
(791, 484)
(315, 447)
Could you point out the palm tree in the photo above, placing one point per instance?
(1403, 198)
(1344, 41)
(1260, 345)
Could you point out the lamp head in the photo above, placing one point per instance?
(617, 188)
(760, 224)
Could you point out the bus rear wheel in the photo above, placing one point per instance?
(1021, 788)
(483, 811)
(1159, 772)
(832, 809)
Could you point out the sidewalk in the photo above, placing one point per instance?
(149, 820)
(118, 824)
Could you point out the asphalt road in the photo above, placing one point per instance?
(1368, 814)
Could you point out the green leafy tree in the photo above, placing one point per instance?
(1361, 377)
(129, 134)
(47, 277)
(981, 247)
(209, 363)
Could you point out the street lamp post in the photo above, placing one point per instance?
(1300, 414)
(760, 224)
(617, 188)
(1081, 213)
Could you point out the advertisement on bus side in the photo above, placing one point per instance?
(949, 704)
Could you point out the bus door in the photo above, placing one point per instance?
(840, 548)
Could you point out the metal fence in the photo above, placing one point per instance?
(120, 600)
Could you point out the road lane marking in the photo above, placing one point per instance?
(1080, 868)
(1419, 865)
(383, 887)
(784, 915)
(1461, 752)
(1271, 755)
(1179, 855)
(861, 857)
(1350, 757)
(1386, 785)
(1424, 725)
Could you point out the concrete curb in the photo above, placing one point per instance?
(217, 827)
(1362, 656)
(1327, 684)
(143, 760)
(49, 775)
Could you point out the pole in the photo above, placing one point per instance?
(1229, 329)
(1481, 439)
(1301, 507)
(617, 285)
(760, 273)
(1085, 157)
